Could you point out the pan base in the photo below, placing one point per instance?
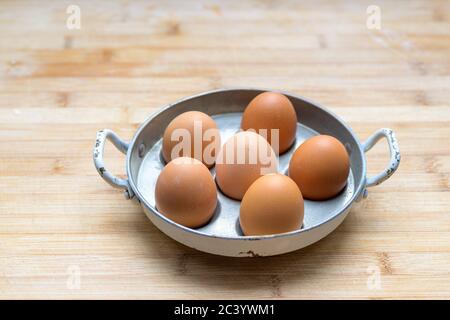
(225, 222)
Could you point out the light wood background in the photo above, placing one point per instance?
(59, 86)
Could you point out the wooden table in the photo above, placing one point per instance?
(65, 233)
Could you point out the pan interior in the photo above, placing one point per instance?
(225, 222)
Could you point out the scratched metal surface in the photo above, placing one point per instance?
(225, 220)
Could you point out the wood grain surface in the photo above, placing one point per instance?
(58, 86)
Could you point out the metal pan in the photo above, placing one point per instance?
(222, 234)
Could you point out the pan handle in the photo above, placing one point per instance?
(99, 148)
(393, 149)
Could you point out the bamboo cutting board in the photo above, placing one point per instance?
(64, 233)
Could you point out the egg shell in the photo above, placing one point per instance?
(186, 192)
(320, 166)
(272, 110)
(273, 204)
(245, 157)
(197, 124)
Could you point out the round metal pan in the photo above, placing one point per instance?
(222, 234)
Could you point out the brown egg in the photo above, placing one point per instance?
(271, 110)
(192, 134)
(186, 192)
(243, 158)
(273, 204)
(320, 166)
